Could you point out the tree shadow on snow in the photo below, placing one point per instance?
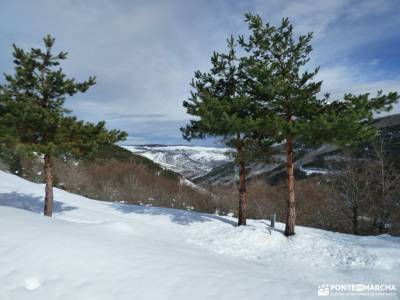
(178, 216)
(270, 229)
(30, 202)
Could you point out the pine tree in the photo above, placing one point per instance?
(284, 89)
(33, 116)
(223, 108)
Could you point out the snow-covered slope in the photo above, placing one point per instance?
(102, 250)
(190, 161)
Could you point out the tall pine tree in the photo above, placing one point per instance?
(223, 108)
(33, 116)
(284, 89)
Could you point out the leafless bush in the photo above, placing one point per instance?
(367, 192)
(362, 197)
(132, 183)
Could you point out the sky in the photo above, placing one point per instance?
(144, 53)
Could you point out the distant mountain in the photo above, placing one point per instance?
(308, 161)
(190, 161)
(209, 165)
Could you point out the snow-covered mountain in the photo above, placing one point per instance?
(106, 250)
(190, 161)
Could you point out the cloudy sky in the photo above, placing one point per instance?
(144, 53)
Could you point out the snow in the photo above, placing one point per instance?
(190, 161)
(103, 250)
(310, 171)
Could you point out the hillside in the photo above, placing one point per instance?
(102, 250)
(116, 174)
(308, 160)
(190, 161)
(212, 166)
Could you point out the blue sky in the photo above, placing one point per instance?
(144, 53)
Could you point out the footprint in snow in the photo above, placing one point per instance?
(32, 283)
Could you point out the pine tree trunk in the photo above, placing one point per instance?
(242, 188)
(49, 198)
(291, 209)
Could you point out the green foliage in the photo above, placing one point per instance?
(350, 120)
(283, 88)
(34, 118)
(267, 95)
(222, 105)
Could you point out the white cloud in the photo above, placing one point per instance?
(144, 53)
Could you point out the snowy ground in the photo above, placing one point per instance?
(102, 250)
